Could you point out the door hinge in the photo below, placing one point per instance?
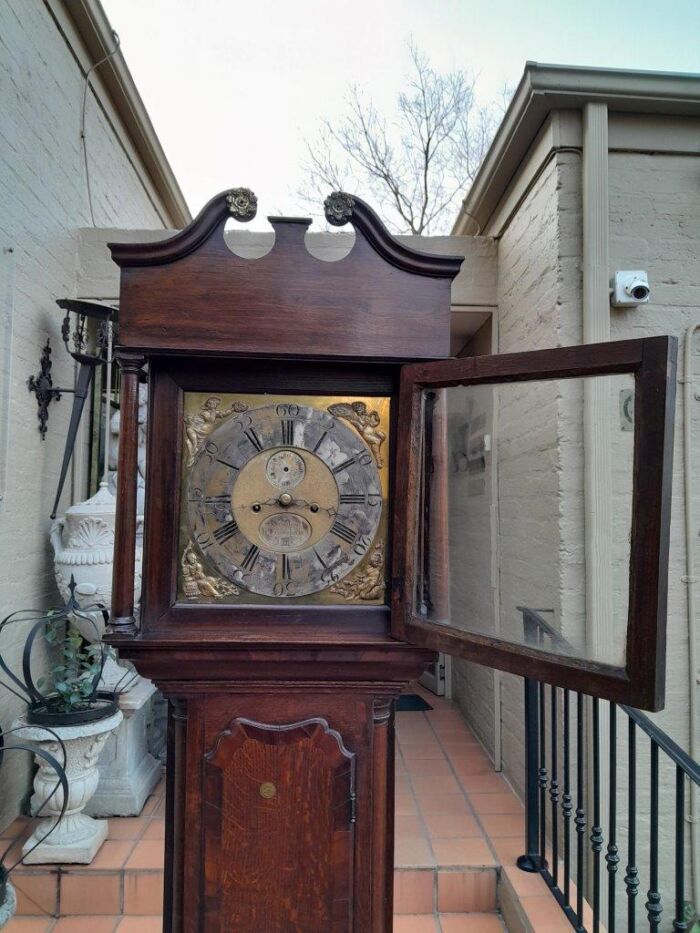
(353, 808)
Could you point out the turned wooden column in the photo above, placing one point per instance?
(123, 620)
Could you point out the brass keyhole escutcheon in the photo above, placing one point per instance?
(267, 790)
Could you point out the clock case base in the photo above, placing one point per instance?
(331, 816)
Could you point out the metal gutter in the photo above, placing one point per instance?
(544, 88)
(93, 26)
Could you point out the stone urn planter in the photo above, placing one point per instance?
(83, 545)
(8, 901)
(77, 837)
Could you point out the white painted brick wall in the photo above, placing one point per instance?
(42, 205)
(537, 307)
(654, 225)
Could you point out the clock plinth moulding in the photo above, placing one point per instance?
(280, 706)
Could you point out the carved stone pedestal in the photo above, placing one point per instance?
(128, 771)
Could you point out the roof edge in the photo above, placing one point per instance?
(546, 87)
(94, 28)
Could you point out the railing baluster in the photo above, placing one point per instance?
(554, 791)
(612, 858)
(543, 778)
(679, 923)
(531, 860)
(653, 904)
(596, 829)
(580, 819)
(566, 803)
(632, 872)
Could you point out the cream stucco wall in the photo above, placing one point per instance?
(43, 203)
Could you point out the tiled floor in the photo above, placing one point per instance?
(459, 830)
(125, 878)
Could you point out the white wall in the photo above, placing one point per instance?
(42, 204)
(654, 225)
(537, 307)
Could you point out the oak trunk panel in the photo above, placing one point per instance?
(292, 784)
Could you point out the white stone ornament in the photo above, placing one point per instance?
(77, 837)
(8, 906)
(128, 771)
(83, 545)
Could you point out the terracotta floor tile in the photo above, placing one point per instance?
(159, 811)
(407, 826)
(141, 925)
(418, 923)
(93, 924)
(453, 732)
(444, 714)
(495, 803)
(471, 852)
(451, 825)
(420, 750)
(545, 915)
(143, 892)
(149, 807)
(149, 853)
(503, 824)
(413, 853)
(466, 891)
(155, 830)
(508, 848)
(471, 923)
(433, 767)
(28, 925)
(414, 892)
(16, 828)
(37, 893)
(127, 827)
(98, 893)
(405, 805)
(113, 854)
(524, 883)
(471, 763)
(425, 784)
(445, 803)
(485, 783)
(401, 784)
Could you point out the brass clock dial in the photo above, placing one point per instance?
(284, 500)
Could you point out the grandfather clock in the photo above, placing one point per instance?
(292, 456)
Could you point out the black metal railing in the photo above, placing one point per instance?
(565, 839)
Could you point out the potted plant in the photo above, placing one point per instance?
(67, 700)
(8, 900)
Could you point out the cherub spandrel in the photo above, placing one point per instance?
(201, 423)
(367, 583)
(197, 583)
(365, 422)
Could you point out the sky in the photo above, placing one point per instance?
(234, 88)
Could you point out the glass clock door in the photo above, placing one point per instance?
(533, 510)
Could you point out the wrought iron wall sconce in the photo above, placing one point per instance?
(74, 331)
(43, 388)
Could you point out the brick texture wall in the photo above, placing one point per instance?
(44, 202)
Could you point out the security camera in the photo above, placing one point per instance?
(629, 289)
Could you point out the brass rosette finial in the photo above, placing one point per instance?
(242, 204)
(338, 208)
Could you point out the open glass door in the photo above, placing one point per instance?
(533, 511)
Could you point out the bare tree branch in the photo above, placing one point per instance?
(416, 167)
